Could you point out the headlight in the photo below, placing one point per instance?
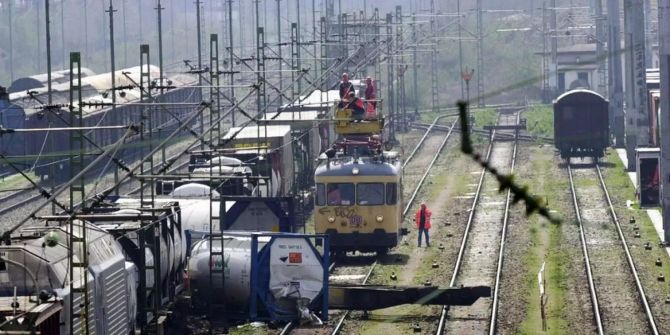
(331, 219)
(355, 171)
(380, 218)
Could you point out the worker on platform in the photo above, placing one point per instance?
(423, 223)
(356, 106)
(345, 86)
(370, 92)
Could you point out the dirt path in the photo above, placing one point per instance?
(446, 195)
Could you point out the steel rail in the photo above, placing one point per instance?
(429, 128)
(430, 166)
(585, 251)
(530, 138)
(20, 203)
(16, 194)
(629, 257)
(473, 209)
(340, 323)
(342, 319)
(503, 236)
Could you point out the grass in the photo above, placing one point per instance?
(16, 181)
(484, 117)
(546, 241)
(249, 329)
(540, 121)
(621, 189)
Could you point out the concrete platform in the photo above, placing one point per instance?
(654, 214)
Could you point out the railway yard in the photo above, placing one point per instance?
(334, 167)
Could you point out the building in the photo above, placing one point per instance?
(578, 67)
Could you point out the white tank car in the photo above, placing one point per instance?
(172, 245)
(39, 266)
(237, 281)
(288, 269)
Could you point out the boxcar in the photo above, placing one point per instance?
(581, 124)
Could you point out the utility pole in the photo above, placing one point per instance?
(600, 47)
(637, 118)
(554, 51)
(390, 76)
(186, 28)
(111, 11)
(315, 65)
(62, 34)
(480, 56)
(104, 35)
(48, 35)
(546, 96)
(616, 77)
(435, 101)
(11, 42)
(664, 122)
(261, 96)
(112, 54)
(38, 23)
(172, 28)
(295, 64)
(231, 60)
(86, 53)
(323, 39)
(199, 38)
(402, 126)
(330, 9)
(649, 35)
(298, 46)
(279, 53)
(125, 35)
(378, 40)
(139, 3)
(159, 10)
(415, 67)
(460, 45)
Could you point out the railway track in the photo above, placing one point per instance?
(479, 260)
(343, 269)
(618, 299)
(521, 137)
(24, 198)
(408, 167)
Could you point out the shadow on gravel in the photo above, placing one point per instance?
(579, 164)
(377, 316)
(399, 259)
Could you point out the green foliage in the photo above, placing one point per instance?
(534, 204)
(540, 120)
(484, 117)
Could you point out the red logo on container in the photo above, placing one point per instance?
(295, 257)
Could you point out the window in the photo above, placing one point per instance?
(371, 194)
(584, 76)
(391, 193)
(320, 194)
(561, 81)
(341, 194)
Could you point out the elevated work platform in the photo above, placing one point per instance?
(346, 124)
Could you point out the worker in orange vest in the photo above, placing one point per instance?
(423, 222)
